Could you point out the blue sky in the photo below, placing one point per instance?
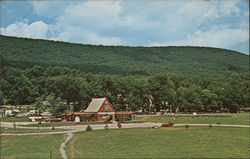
(213, 23)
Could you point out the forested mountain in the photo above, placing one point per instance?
(132, 78)
(121, 60)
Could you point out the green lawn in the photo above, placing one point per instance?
(194, 142)
(13, 119)
(63, 124)
(31, 147)
(72, 123)
(19, 130)
(241, 119)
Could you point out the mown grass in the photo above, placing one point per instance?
(227, 118)
(31, 146)
(194, 142)
(15, 119)
(63, 124)
(21, 130)
(73, 123)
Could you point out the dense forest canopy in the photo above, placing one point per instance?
(133, 78)
(122, 60)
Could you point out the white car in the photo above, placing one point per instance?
(34, 118)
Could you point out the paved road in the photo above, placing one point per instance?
(79, 128)
(75, 128)
(11, 125)
(216, 125)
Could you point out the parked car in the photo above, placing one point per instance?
(53, 120)
(167, 124)
(35, 118)
(11, 113)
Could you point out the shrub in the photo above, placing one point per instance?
(155, 127)
(14, 125)
(119, 125)
(186, 126)
(210, 126)
(53, 128)
(106, 127)
(88, 128)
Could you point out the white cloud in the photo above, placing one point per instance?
(247, 13)
(198, 11)
(103, 15)
(229, 7)
(84, 22)
(36, 29)
(158, 19)
(79, 35)
(49, 8)
(214, 38)
(79, 13)
(117, 22)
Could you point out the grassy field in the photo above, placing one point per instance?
(241, 119)
(12, 130)
(13, 119)
(31, 147)
(72, 123)
(63, 124)
(194, 142)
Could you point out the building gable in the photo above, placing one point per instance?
(95, 105)
(106, 107)
(99, 105)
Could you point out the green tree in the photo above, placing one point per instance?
(41, 105)
(70, 89)
(139, 96)
(209, 100)
(56, 105)
(20, 90)
(162, 92)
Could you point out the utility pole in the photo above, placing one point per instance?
(150, 105)
(38, 124)
(50, 154)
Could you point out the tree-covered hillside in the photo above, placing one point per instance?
(121, 60)
(166, 92)
(142, 78)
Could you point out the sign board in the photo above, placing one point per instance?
(77, 119)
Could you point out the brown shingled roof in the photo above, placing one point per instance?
(95, 105)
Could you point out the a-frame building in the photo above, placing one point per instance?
(99, 109)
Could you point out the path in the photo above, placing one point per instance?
(62, 151)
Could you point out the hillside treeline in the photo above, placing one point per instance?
(121, 60)
(158, 92)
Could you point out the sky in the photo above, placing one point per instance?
(212, 23)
